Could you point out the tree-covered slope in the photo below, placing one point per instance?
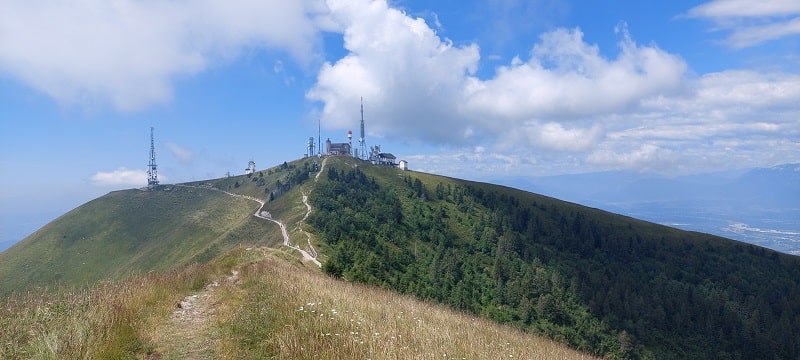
(601, 282)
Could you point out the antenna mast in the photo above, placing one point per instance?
(361, 143)
(152, 173)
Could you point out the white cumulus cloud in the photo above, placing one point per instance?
(564, 102)
(566, 77)
(723, 120)
(418, 86)
(565, 105)
(122, 176)
(409, 77)
(126, 53)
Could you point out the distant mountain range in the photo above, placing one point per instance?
(760, 206)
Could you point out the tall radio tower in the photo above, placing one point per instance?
(362, 145)
(152, 173)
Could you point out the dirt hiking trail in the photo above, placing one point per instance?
(189, 331)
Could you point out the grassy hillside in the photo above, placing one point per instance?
(131, 231)
(137, 230)
(604, 284)
(601, 282)
(255, 304)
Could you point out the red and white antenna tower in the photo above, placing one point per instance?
(350, 141)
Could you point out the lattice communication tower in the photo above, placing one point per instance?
(362, 144)
(152, 172)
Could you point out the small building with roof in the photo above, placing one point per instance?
(251, 168)
(385, 159)
(403, 165)
(337, 148)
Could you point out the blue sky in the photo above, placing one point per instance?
(472, 89)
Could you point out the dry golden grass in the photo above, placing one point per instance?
(103, 322)
(291, 312)
(276, 307)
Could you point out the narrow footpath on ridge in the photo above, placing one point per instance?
(263, 214)
(188, 333)
(300, 226)
(308, 211)
(306, 256)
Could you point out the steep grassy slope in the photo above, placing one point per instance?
(137, 231)
(131, 231)
(602, 282)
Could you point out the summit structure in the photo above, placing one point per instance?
(152, 168)
(362, 145)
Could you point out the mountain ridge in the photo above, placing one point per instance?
(608, 284)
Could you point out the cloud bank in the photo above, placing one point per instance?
(562, 104)
(410, 76)
(126, 53)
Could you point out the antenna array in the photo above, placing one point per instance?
(152, 172)
(362, 145)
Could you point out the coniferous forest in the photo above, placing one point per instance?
(603, 283)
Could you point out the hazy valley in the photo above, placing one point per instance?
(757, 206)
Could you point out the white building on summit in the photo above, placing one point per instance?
(403, 165)
(381, 158)
(384, 159)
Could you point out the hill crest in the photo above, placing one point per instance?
(598, 281)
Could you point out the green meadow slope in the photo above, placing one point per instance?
(131, 231)
(136, 231)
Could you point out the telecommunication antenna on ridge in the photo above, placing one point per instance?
(362, 145)
(152, 173)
